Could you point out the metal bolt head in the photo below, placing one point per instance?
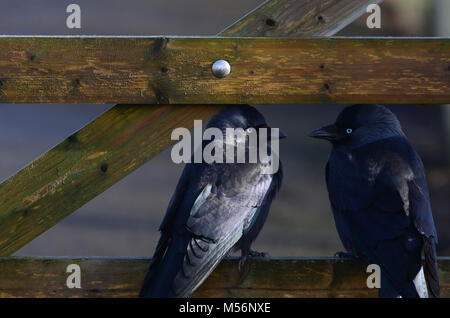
(221, 68)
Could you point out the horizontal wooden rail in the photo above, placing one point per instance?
(122, 277)
(177, 70)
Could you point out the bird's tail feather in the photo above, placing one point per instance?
(201, 259)
(179, 267)
(163, 268)
(421, 284)
(391, 286)
(431, 269)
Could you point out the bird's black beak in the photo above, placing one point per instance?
(281, 135)
(329, 133)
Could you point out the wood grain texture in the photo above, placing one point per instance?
(16, 223)
(122, 277)
(177, 70)
(84, 165)
(299, 18)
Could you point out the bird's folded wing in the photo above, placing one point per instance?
(424, 223)
(217, 222)
(391, 229)
(183, 192)
(213, 216)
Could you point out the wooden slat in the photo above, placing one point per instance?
(264, 70)
(84, 165)
(294, 18)
(14, 237)
(122, 277)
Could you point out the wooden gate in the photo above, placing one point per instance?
(281, 52)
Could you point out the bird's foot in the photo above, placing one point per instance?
(249, 254)
(241, 263)
(345, 255)
(258, 254)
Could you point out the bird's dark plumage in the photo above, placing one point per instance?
(380, 200)
(215, 207)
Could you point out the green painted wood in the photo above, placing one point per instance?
(177, 70)
(16, 223)
(122, 277)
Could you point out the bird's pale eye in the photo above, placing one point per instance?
(250, 130)
(349, 131)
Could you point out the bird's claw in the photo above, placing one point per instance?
(241, 263)
(258, 254)
(344, 255)
(250, 254)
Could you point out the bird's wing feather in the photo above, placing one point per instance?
(260, 216)
(184, 196)
(183, 192)
(219, 211)
(341, 225)
(216, 223)
(412, 192)
(423, 221)
(377, 205)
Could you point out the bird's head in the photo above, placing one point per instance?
(243, 117)
(357, 125)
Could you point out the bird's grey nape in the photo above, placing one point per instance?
(374, 122)
(238, 116)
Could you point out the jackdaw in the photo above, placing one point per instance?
(216, 207)
(380, 201)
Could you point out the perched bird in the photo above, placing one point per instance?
(380, 201)
(215, 207)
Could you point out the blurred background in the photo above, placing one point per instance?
(125, 218)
